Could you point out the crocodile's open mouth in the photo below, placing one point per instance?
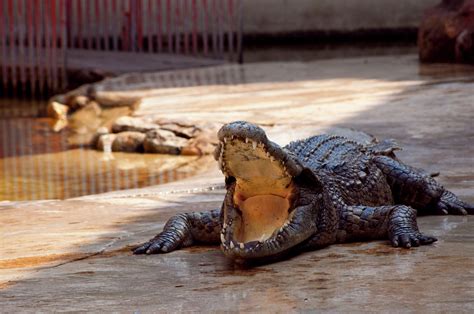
(263, 189)
(259, 205)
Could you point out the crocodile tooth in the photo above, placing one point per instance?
(232, 245)
(225, 139)
(222, 238)
(246, 140)
(272, 159)
(254, 144)
(241, 245)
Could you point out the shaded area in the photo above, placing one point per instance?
(314, 49)
(343, 277)
(86, 66)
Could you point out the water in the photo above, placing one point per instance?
(37, 163)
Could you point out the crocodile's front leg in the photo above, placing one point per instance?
(185, 230)
(397, 222)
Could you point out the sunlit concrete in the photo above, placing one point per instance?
(74, 254)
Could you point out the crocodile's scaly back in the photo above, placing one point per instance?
(325, 151)
(345, 168)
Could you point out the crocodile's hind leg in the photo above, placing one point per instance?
(185, 230)
(413, 187)
(397, 222)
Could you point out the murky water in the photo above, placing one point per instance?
(37, 163)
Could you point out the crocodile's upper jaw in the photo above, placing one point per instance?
(259, 204)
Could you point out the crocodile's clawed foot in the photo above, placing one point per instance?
(164, 242)
(154, 246)
(451, 204)
(176, 234)
(141, 249)
(411, 238)
(403, 230)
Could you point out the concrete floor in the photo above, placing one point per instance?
(73, 255)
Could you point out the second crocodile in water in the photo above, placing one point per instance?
(308, 195)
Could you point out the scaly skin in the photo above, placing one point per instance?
(338, 190)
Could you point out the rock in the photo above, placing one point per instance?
(88, 117)
(76, 102)
(166, 136)
(102, 130)
(125, 141)
(104, 142)
(83, 124)
(169, 136)
(57, 111)
(446, 33)
(163, 142)
(96, 139)
(133, 124)
(110, 115)
(199, 145)
(58, 125)
(180, 130)
(465, 46)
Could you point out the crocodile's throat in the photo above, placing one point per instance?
(263, 189)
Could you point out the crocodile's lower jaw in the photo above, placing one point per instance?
(261, 215)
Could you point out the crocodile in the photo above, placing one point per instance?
(312, 193)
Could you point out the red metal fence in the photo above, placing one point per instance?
(36, 35)
(32, 45)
